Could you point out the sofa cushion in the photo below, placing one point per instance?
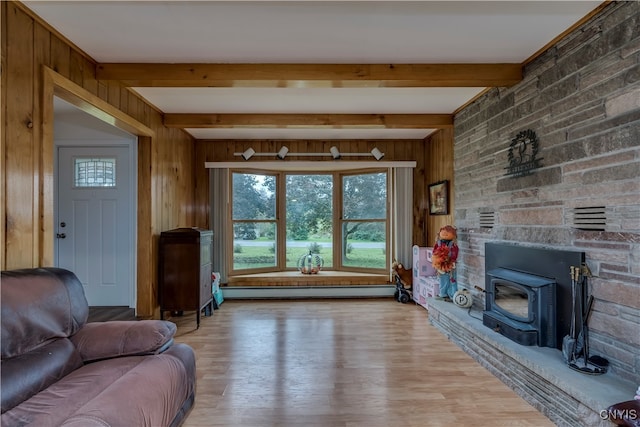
(102, 340)
(25, 375)
(41, 308)
(39, 305)
(126, 391)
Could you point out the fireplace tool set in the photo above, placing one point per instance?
(575, 346)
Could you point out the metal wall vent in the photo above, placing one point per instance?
(487, 219)
(590, 218)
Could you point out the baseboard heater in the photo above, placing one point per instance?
(257, 292)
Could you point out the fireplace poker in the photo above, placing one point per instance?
(569, 341)
(585, 332)
(583, 339)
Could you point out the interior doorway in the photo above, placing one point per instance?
(95, 205)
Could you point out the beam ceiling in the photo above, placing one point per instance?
(312, 75)
(389, 121)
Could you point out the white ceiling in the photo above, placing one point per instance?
(311, 32)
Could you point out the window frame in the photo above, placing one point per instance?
(278, 214)
(340, 220)
(280, 220)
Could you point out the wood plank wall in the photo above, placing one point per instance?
(433, 156)
(440, 168)
(166, 161)
(173, 184)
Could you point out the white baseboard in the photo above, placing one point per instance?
(239, 292)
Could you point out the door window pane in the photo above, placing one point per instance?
(94, 172)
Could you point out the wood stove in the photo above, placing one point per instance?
(529, 292)
(521, 307)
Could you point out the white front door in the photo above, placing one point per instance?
(94, 227)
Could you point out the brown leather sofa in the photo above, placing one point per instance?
(625, 413)
(59, 370)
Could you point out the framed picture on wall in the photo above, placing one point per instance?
(439, 198)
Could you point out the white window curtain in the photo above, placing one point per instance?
(219, 196)
(402, 215)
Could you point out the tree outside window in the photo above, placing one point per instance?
(347, 226)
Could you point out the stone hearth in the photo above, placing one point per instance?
(538, 374)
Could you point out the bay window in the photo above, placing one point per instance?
(278, 217)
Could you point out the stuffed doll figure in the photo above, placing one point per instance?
(445, 254)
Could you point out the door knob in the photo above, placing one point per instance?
(61, 235)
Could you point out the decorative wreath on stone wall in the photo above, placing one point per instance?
(523, 151)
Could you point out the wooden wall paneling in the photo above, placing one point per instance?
(133, 105)
(175, 155)
(146, 272)
(420, 198)
(184, 180)
(102, 89)
(3, 127)
(60, 52)
(273, 146)
(201, 187)
(391, 149)
(174, 177)
(231, 148)
(89, 81)
(43, 159)
(326, 146)
(147, 231)
(113, 94)
(187, 177)
(124, 99)
(157, 212)
(312, 146)
(76, 68)
(20, 220)
(154, 182)
(169, 154)
(300, 147)
(364, 146)
(159, 175)
(439, 168)
(27, 146)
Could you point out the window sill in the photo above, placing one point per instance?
(295, 278)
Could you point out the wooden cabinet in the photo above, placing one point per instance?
(185, 271)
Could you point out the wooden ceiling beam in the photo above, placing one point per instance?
(363, 121)
(311, 75)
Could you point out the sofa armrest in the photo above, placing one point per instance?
(625, 413)
(105, 340)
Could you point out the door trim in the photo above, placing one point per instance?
(55, 84)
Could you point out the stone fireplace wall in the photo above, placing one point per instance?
(582, 99)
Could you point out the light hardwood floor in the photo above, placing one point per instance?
(342, 363)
